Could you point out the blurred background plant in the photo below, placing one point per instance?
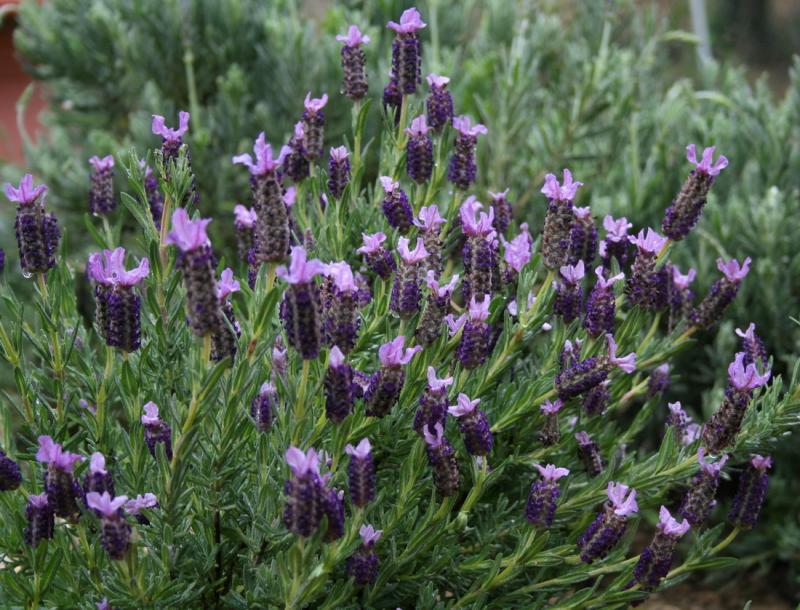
(610, 89)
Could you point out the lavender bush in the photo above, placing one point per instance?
(481, 444)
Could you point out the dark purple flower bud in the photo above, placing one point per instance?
(679, 296)
(387, 383)
(589, 453)
(36, 230)
(570, 354)
(361, 473)
(601, 306)
(407, 51)
(473, 349)
(341, 322)
(582, 237)
(362, 566)
(223, 339)
(62, 489)
(473, 425)
(406, 291)
(245, 223)
(433, 403)
(134, 507)
(338, 171)
(419, 151)
(643, 282)
(659, 380)
(684, 212)
(333, 509)
(721, 429)
(41, 522)
(586, 374)
(156, 430)
(752, 491)
(656, 559)
(479, 253)
(596, 400)
(363, 293)
(462, 169)
(295, 164)
(543, 497)
(429, 223)
(155, 199)
(395, 205)
(98, 479)
(263, 407)
(379, 259)
(442, 458)
(437, 305)
(559, 219)
(171, 144)
(300, 309)
(304, 492)
(439, 103)
(392, 99)
(10, 476)
(721, 294)
(314, 125)
(609, 525)
(700, 497)
(354, 83)
(753, 347)
(550, 433)
(101, 193)
(339, 390)
(117, 306)
(272, 234)
(617, 243)
(569, 292)
(503, 212)
(116, 532)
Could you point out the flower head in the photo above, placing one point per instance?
(434, 383)
(573, 273)
(416, 255)
(302, 463)
(439, 82)
(342, 276)
(109, 269)
(464, 126)
(104, 503)
(340, 153)
(245, 217)
(705, 165)
(301, 270)
(560, 192)
(669, 525)
(650, 241)
(99, 164)
(372, 243)
(474, 223)
(52, 453)
(353, 38)
(38, 500)
(518, 251)
(454, 324)
(616, 230)
(97, 463)
(440, 290)
(150, 414)
(410, 22)
(749, 334)
(394, 354)
(733, 270)
(418, 127)
(314, 105)
(187, 234)
(369, 535)
(710, 468)
(264, 162)
(626, 363)
(429, 218)
(135, 506)
(550, 472)
(361, 450)
(761, 462)
(464, 406)
(745, 378)
(681, 281)
(604, 283)
(433, 437)
(479, 311)
(550, 407)
(26, 193)
(171, 135)
(389, 185)
(227, 284)
(623, 506)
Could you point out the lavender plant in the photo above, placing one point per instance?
(343, 480)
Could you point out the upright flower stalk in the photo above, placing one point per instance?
(558, 221)
(361, 473)
(98, 479)
(589, 453)
(101, 192)
(476, 337)
(685, 210)
(263, 407)
(300, 307)
(362, 566)
(721, 294)
(41, 520)
(115, 531)
(473, 425)
(338, 171)
(433, 403)
(271, 237)
(396, 207)
(406, 291)
(439, 104)
(582, 237)
(156, 431)
(617, 243)
(442, 459)
(755, 352)
(354, 80)
(117, 306)
(540, 509)
(339, 387)
(700, 498)
(462, 169)
(550, 432)
(155, 200)
(642, 286)
(679, 295)
(387, 382)
(314, 126)
(609, 525)
(586, 374)
(437, 306)
(419, 151)
(429, 222)
(656, 559)
(601, 305)
(503, 212)
(749, 499)
(379, 259)
(36, 230)
(407, 52)
(304, 492)
(223, 339)
(245, 223)
(479, 252)
(569, 292)
(295, 163)
(171, 143)
(61, 487)
(340, 318)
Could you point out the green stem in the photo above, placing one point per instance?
(58, 368)
(300, 403)
(101, 395)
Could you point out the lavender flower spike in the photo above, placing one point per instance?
(224, 336)
(642, 287)
(656, 559)
(558, 221)
(141, 502)
(503, 212)
(685, 210)
(313, 126)
(439, 105)
(155, 199)
(679, 295)
(700, 497)
(601, 306)
(437, 305)
(543, 497)
(550, 432)
(41, 523)
(753, 347)
(36, 230)
(586, 374)
(62, 489)
(116, 533)
(473, 425)
(609, 525)
(300, 308)
(295, 164)
(722, 292)
(462, 169)
(304, 492)
(263, 407)
(361, 473)
(101, 193)
(171, 144)
(589, 453)
(338, 171)
(363, 565)
(442, 458)
(433, 403)
(406, 291)
(475, 344)
(379, 259)
(617, 242)
(481, 269)
(659, 380)
(582, 237)
(98, 478)
(10, 476)
(354, 83)
(407, 52)
(245, 223)
(752, 491)
(340, 317)
(156, 430)
(429, 223)
(386, 384)
(339, 387)
(569, 292)
(419, 151)
(396, 207)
